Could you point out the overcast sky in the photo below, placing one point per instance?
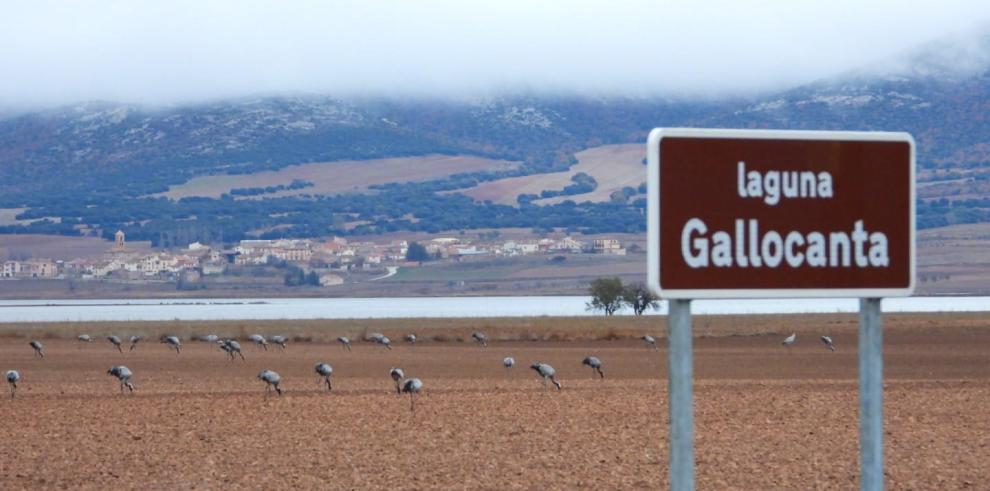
(185, 51)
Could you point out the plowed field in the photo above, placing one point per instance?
(766, 417)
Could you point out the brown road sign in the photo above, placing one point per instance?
(755, 213)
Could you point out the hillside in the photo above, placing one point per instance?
(430, 164)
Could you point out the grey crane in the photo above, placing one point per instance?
(508, 362)
(650, 341)
(272, 379)
(546, 372)
(595, 364)
(279, 340)
(397, 375)
(124, 375)
(259, 340)
(134, 342)
(375, 337)
(789, 340)
(115, 341)
(480, 337)
(38, 348)
(412, 387)
(172, 341)
(828, 342)
(12, 378)
(325, 370)
(231, 347)
(411, 338)
(386, 342)
(209, 338)
(85, 338)
(345, 342)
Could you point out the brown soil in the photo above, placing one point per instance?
(766, 417)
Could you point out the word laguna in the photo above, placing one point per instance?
(748, 248)
(773, 184)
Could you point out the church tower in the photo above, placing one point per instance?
(118, 241)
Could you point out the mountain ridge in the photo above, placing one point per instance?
(109, 157)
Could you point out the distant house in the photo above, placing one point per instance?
(330, 279)
(567, 244)
(514, 247)
(11, 269)
(609, 247)
(39, 268)
(214, 267)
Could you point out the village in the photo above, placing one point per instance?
(318, 262)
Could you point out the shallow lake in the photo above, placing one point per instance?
(361, 308)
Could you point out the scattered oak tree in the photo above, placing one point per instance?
(416, 252)
(640, 298)
(606, 295)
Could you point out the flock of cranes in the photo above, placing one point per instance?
(272, 379)
(403, 384)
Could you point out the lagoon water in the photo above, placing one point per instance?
(363, 308)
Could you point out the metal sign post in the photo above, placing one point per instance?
(870, 394)
(681, 402)
(779, 214)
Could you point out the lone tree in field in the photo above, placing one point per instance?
(416, 252)
(640, 298)
(606, 295)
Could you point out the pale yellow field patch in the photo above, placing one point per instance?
(613, 166)
(347, 176)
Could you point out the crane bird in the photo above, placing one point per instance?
(411, 338)
(38, 348)
(259, 340)
(12, 378)
(412, 387)
(279, 340)
(375, 337)
(345, 342)
(386, 342)
(508, 362)
(124, 375)
(397, 375)
(546, 372)
(213, 339)
(115, 341)
(828, 342)
(85, 338)
(272, 379)
(231, 347)
(650, 341)
(134, 341)
(480, 337)
(789, 340)
(172, 341)
(595, 364)
(325, 370)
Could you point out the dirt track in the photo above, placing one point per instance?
(766, 417)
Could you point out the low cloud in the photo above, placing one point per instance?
(166, 52)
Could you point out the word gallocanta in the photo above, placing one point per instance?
(857, 248)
